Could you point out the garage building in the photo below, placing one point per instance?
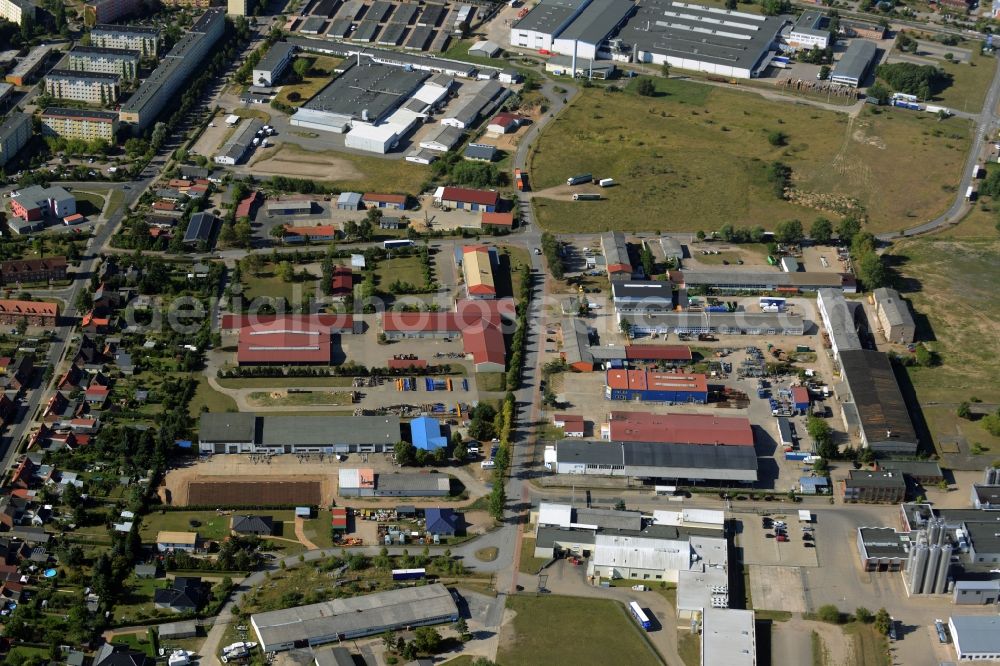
(650, 385)
(245, 432)
(853, 66)
(724, 323)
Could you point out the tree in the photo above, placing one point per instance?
(460, 453)
(278, 231)
(821, 434)
(777, 138)
(924, 357)
(498, 500)
(872, 270)
(406, 454)
(882, 621)
(757, 234)
(648, 261)
(847, 229)
(863, 615)
(829, 613)
(427, 640)
(286, 271)
(821, 230)
(301, 67)
(824, 72)
(626, 328)
(964, 411)
(924, 81)
(645, 87)
(775, 7)
(879, 92)
(665, 69)
(731, 5)
(789, 231)
(700, 235)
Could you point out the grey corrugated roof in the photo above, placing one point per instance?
(855, 61)
(576, 341)
(415, 483)
(976, 633)
(750, 278)
(646, 454)
(549, 535)
(333, 656)
(377, 89)
(277, 54)
(718, 320)
(880, 403)
(79, 75)
(642, 289)
(615, 248)
(684, 30)
(895, 308)
(840, 319)
(279, 430)
(547, 16)
(921, 468)
(597, 21)
(479, 151)
(227, 427)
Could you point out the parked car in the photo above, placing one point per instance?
(781, 537)
(769, 535)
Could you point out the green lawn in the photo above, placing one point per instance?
(321, 70)
(689, 648)
(206, 396)
(88, 204)
(283, 382)
(969, 82)
(673, 154)
(213, 525)
(870, 647)
(405, 269)
(529, 564)
(568, 630)
(269, 284)
(491, 381)
(262, 116)
(317, 398)
(318, 530)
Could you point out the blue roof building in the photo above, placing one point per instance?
(441, 521)
(426, 433)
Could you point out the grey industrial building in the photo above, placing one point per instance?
(367, 92)
(725, 323)
(882, 549)
(840, 319)
(243, 432)
(442, 138)
(692, 462)
(470, 109)
(685, 35)
(146, 103)
(236, 147)
(853, 66)
(873, 400)
(642, 296)
(273, 64)
(141, 38)
(343, 619)
(893, 316)
(863, 485)
(977, 638)
(736, 281)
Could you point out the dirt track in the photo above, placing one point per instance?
(285, 161)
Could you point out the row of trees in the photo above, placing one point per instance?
(552, 250)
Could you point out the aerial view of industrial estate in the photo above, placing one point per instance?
(499, 332)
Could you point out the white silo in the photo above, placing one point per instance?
(941, 579)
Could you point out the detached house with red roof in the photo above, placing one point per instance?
(487, 201)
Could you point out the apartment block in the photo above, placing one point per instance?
(14, 133)
(15, 11)
(123, 62)
(144, 39)
(106, 11)
(80, 123)
(24, 72)
(148, 101)
(90, 87)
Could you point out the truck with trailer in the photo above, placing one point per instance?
(970, 193)
(580, 179)
(519, 180)
(586, 197)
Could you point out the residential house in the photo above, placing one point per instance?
(256, 525)
(185, 595)
(167, 542)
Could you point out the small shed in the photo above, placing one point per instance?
(814, 485)
(441, 521)
(790, 264)
(177, 630)
(406, 511)
(349, 201)
(303, 512)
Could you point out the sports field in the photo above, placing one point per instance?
(696, 156)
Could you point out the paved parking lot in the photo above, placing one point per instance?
(777, 588)
(758, 549)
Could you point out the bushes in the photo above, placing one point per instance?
(553, 255)
(924, 81)
(779, 175)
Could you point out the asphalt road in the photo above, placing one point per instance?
(985, 125)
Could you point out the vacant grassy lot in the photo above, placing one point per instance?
(590, 631)
(951, 284)
(317, 398)
(404, 269)
(969, 82)
(269, 284)
(206, 396)
(89, 204)
(211, 525)
(529, 564)
(262, 116)
(870, 647)
(696, 156)
(377, 175)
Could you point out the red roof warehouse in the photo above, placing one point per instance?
(478, 322)
(337, 323)
(280, 344)
(658, 353)
(679, 428)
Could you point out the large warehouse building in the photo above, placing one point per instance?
(726, 323)
(685, 35)
(245, 432)
(650, 460)
(875, 404)
(342, 619)
(705, 429)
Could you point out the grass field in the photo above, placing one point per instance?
(689, 648)
(951, 284)
(283, 382)
(673, 153)
(405, 269)
(206, 396)
(379, 175)
(969, 82)
(269, 284)
(491, 381)
(590, 631)
(88, 204)
(213, 525)
(870, 648)
(317, 398)
(262, 116)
